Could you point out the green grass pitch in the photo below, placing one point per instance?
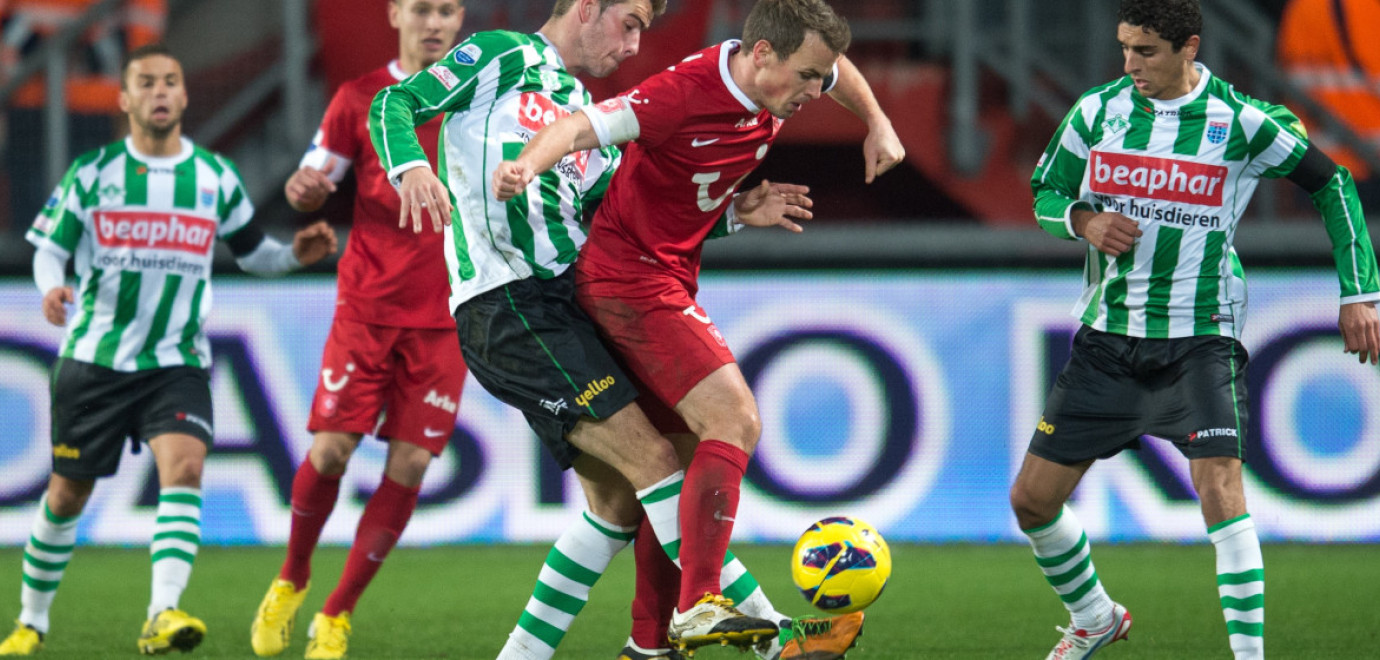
(946, 601)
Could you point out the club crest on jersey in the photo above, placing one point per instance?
(1217, 132)
(1115, 125)
(208, 197)
(468, 54)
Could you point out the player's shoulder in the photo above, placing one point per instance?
(1104, 93)
(481, 47)
(218, 162)
(1256, 111)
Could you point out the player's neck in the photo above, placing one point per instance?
(744, 74)
(163, 146)
(564, 35)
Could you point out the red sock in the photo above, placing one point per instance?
(708, 504)
(313, 499)
(385, 517)
(658, 582)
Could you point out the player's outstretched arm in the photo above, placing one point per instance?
(882, 149)
(558, 139)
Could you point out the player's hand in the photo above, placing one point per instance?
(511, 178)
(1360, 330)
(55, 302)
(308, 187)
(774, 204)
(313, 243)
(422, 192)
(1111, 233)
(882, 150)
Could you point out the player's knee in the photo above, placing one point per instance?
(68, 497)
(409, 468)
(183, 471)
(330, 454)
(1030, 509)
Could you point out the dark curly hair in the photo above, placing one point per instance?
(1173, 20)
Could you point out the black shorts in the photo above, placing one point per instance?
(1114, 389)
(95, 409)
(532, 347)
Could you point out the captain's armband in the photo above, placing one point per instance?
(613, 120)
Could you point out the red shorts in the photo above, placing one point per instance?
(396, 383)
(658, 330)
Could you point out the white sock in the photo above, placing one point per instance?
(576, 561)
(176, 538)
(1062, 551)
(1241, 585)
(51, 542)
(661, 501)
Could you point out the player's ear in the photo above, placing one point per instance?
(394, 12)
(1191, 48)
(762, 53)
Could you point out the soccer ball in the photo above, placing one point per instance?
(841, 564)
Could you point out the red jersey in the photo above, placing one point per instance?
(699, 137)
(387, 276)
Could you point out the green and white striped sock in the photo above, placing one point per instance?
(1241, 584)
(575, 562)
(661, 501)
(1061, 550)
(176, 538)
(51, 542)
(739, 586)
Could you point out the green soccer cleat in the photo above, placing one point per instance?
(272, 628)
(171, 629)
(330, 637)
(25, 640)
(811, 638)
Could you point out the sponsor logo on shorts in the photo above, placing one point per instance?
(1045, 427)
(1211, 433)
(593, 389)
(328, 380)
(718, 336)
(434, 398)
(328, 405)
(1221, 318)
(189, 417)
(63, 451)
(554, 407)
(432, 433)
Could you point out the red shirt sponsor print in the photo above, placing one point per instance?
(1148, 177)
(536, 111)
(155, 231)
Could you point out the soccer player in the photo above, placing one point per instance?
(521, 333)
(391, 366)
(692, 134)
(1153, 170)
(142, 217)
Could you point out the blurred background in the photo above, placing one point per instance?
(901, 347)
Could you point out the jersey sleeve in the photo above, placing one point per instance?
(1352, 251)
(1276, 139)
(59, 222)
(660, 105)
(482, 67)
(337, 136)
(235, 209)
(1059, 173)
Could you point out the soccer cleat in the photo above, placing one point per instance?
(714, 620)
(25, 640)
(272, 628)
(1079, 643)
(330, 636)
(631, 653)
(171, 629)
(813, 638)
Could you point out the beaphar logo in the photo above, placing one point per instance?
(535, 112)
(155, 231)
(1148, 177)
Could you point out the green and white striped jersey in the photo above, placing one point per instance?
(1184, 169)
(142, 230)
(497, 89)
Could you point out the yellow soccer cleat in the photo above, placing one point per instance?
(25, 640)
(272, 628)
(171, 629)
(330, 636)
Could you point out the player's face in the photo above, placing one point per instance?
(1157, 70)
(426, 28)
(153, 95)
(784, 86)
(612, 35)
